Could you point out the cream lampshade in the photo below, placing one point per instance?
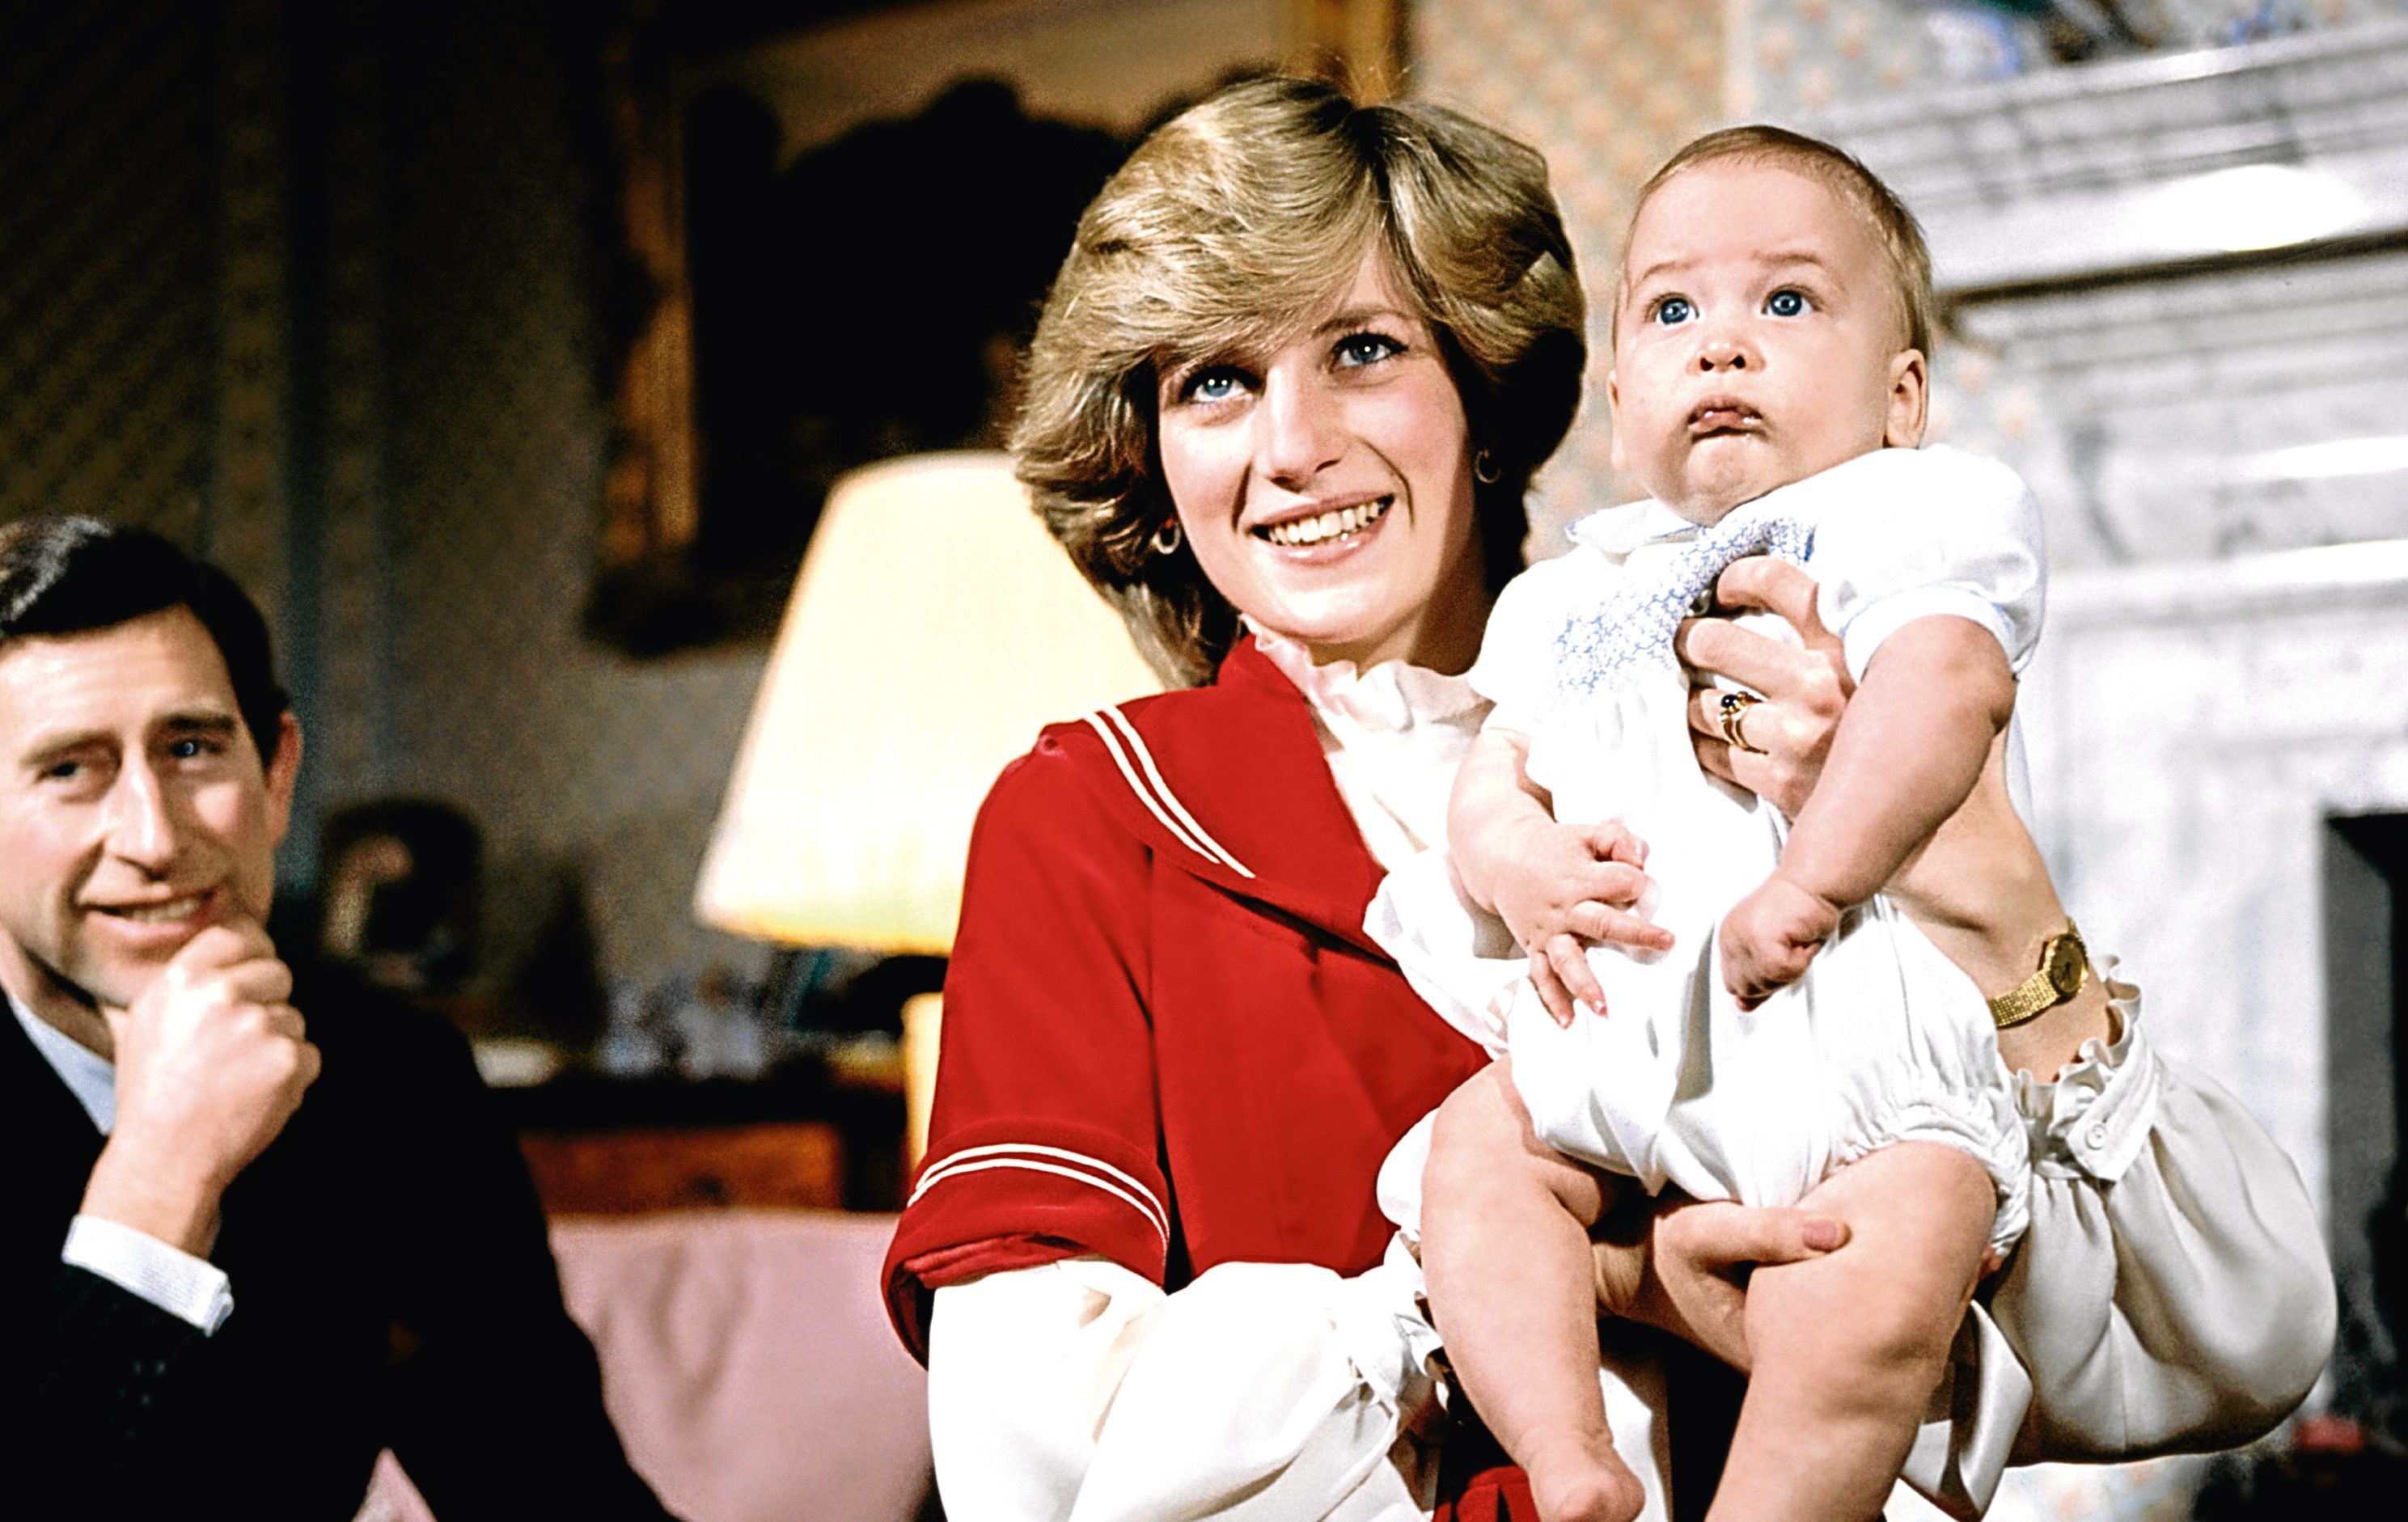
(935, 627)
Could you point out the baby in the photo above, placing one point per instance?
(1775, 1029)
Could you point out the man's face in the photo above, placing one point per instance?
(1759, 341)
(135, 809)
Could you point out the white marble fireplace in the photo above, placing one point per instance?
(2181, 287)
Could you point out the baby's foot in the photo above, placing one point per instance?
(1581, 1479)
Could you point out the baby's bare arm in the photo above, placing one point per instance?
(1909, 750)
(1556, 886)
(1493, 809)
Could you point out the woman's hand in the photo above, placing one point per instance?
(1680, 1265)
(1804, 690)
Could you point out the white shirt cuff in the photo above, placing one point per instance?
(2096, 1117)
(185, 1287)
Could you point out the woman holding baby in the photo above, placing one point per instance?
(1283, 406)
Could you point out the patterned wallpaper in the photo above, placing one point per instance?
(1789, 56)
(314, 291)
(574, 759)
(108, 261)
(1606, 89)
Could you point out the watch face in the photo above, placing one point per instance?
(2067, 966)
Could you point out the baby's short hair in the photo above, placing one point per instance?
(1900, 235)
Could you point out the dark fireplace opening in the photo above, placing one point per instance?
(2366, 978)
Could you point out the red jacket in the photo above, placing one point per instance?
(1168, 1041)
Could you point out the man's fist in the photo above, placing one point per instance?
(211, 1062)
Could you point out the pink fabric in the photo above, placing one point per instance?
(747, 1361)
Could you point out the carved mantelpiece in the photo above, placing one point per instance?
(2147, 163)
(2200, 416)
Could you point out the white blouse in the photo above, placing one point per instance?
(2173, 1292)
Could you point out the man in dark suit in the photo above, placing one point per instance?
(254, 1227)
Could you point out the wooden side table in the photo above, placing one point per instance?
(795, 1165)
(800, 1139)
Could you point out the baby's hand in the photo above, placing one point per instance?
(1564, 887)
(1769, 936)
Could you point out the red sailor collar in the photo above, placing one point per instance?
(1228, 782)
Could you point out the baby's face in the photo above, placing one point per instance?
(1759, 339)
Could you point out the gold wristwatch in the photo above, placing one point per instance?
(2064, 967)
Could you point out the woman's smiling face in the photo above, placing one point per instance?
(1324, 484)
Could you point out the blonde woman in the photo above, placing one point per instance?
(1284, 402)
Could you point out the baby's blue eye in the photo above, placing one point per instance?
(1786, 303)
(1674, 309)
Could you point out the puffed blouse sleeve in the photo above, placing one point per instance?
(2173, 1293)
(1904, 534)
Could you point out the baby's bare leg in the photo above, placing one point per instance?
(1848, 1348)
(1505, 1250)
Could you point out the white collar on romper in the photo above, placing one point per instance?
(1618, 530)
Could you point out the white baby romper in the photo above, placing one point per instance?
(1884, 1040)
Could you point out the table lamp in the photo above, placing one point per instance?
(935, 627)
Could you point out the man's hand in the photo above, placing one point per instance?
(1769, 936)
(211, 1062)
(1680, 1265)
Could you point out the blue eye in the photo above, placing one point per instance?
(1786, 303)
(1357, 350)
(1672, 309)
(1217, 384)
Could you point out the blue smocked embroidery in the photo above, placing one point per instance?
(1629, 635)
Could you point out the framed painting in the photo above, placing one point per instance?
(845, 230)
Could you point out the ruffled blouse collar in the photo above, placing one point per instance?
(1389, 698)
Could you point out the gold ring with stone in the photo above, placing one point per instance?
(1732, 715)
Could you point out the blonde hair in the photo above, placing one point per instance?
(1894, 226)
(1236, 224)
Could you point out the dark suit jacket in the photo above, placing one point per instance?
(392, 1286)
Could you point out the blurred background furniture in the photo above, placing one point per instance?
(747, 1362)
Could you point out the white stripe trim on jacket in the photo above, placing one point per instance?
(1093, 1171)
(1184, 827)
